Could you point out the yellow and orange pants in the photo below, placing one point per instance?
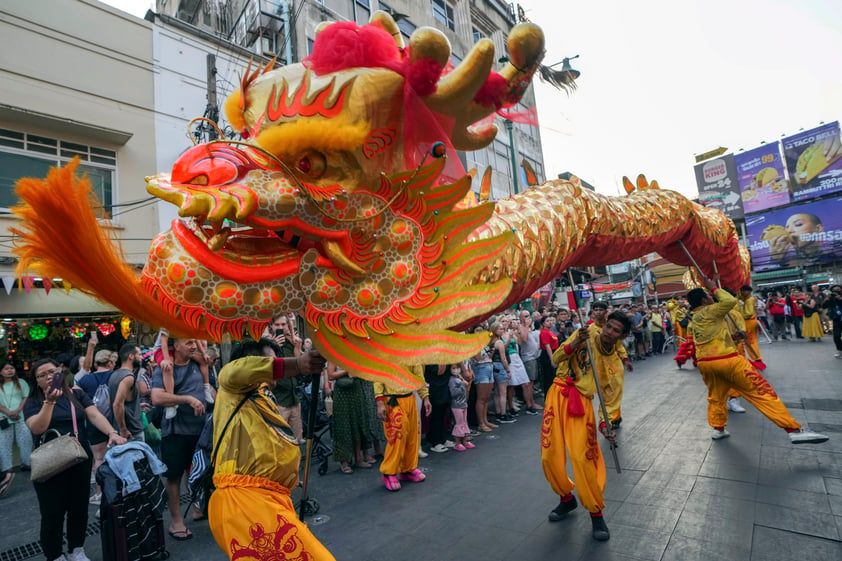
(722, 374)
(254, 518)
(403, 436)
(563, 434)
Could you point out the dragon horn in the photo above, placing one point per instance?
(388, 23)
(457, 91)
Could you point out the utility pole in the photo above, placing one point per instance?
(212, 110)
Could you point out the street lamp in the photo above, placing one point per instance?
(510, 128)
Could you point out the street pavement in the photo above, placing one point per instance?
(680, 496)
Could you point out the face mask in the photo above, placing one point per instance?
(456, 371)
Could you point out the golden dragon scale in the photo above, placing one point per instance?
(343, 206)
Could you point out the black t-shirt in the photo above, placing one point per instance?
(439, 389)
(61, 419)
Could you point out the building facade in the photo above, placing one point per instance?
(267, 28)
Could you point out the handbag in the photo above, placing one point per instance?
(57, 455)
(345, 383)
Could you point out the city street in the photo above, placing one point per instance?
(681, 496)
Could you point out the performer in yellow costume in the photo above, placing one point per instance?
(677, 313)
(612, 380)
(748, 309)
(399, 414)
(569, 426)
(251, 514)
(723, 368)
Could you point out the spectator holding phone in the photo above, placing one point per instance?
(280, 330)
(53, 406)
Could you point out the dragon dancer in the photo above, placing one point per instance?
(612, 385)
(748, 307)
(569, 426)
(399, 414)
(724, 369)
(257, 459)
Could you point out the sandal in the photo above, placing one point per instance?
(346, 469)
(363, 464)
(4, 486)
(181, 535)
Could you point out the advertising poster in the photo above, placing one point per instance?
(796, 236)
(760, 173)
(814, 162)
(719, 187)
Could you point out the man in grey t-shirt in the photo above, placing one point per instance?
(125, 401)
(180, 434)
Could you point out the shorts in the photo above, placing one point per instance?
(531, 369)
(500, 374)
(177, 453)
(483, 373)
(638, 336)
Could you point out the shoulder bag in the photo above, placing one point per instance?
(59, 454)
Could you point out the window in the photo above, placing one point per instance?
(29, 155)
(310, 43)
(407, 28)
(443, 13)
(363, 11)
(477, 34)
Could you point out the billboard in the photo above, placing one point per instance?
(796, 236)
(719, 187)
(814, 162)
(760, 173)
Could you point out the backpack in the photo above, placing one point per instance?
(102, 397)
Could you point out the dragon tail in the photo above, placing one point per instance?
(57, 224)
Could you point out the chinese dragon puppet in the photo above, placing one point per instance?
(339, 206)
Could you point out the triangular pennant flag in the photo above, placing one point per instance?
(28, 282)
(67, 286)
(8, 283)
(48, 284)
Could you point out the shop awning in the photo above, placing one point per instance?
(766, 275)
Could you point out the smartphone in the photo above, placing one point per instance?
(57, 381)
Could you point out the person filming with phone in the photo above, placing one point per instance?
(281, 331)
(54, 406)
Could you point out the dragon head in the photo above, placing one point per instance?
(333, 207)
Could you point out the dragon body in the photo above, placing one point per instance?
(337, 208)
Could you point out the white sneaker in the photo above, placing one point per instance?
(169, 412)
(806, 436)
(838, 354)
(209, 393)
(734, 405)
(449, 443)
(720, 434)
(422, 453)
(439, 448)
(95, 499)
(77, 554)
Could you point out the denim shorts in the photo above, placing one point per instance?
(500, 374)
(483, 373)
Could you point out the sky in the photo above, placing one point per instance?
(664, 80)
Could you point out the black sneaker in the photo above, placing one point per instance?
(507, 419)
(600, 530)
(530, 411)
(563, 508)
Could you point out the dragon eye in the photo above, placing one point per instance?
(312, 163)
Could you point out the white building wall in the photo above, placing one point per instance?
(81, 71)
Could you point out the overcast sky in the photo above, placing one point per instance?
(665, 80)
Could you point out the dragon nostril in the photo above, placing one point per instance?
(199, 180)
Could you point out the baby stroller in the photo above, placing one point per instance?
(321, 450)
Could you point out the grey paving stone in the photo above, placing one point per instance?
(658, 496)
(733, 532)
(668, 480)
(719, 506)
(683, 548)
(770, 544)
(655, 518)
(734, 472)
(793, 498)
(805, 522)
(725, 488)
